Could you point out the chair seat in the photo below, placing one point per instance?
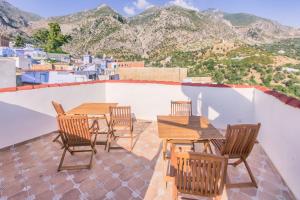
(218, 144)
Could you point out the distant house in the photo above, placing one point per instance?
(6, 52)
(35, 53)
(23, 62)
(87, 59)
(59, 57)
(19, 52)
(48, 77)
(4, 41)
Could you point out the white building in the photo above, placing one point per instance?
(7, 72)
(23, 62)
(87, 59)
(65, 77)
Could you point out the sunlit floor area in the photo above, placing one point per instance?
(29, 171)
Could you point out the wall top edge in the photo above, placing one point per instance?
(291, 101)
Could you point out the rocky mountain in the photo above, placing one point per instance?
(12, 18)
(102, 30)
(156, 31)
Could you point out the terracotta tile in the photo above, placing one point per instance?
(122, 193)
(72, 194)
(119, 174)
(64, 187)
(112, 184)
(45, 195)
(136, 184)
(265, 196)
(252, 192)
(20, 195)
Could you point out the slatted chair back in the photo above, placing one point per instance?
(240, 140)
(199, 174)
(74, 130)
(120, 116)
(181, 108)
(58, 108)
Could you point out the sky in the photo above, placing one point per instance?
(286, 12)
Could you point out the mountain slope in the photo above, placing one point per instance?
(159, 31)
(12, 18)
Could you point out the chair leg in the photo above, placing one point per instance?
(107, 146)
(236, 163)
(165, 143)
(174, 192)
(131, 140)
(56, 138)
(250, 173)
(193, 146)
(245, 184)
(62, 160)
(91, 160)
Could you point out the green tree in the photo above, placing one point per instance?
(218, 77)
(41, 37)
(51, 39)
(19, 41)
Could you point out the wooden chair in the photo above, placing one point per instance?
(60, 111)
(238, 144)
(75, 133)
(181, 108)
(198, 174)
(120, 121)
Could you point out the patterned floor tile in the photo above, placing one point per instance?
(29, 171)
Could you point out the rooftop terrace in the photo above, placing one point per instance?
(29, 170)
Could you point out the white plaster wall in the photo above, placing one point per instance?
(221, 105)
(29, 113)
(7, 72)
(280, 136)
(65, 77)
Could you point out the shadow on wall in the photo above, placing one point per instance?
(18, 124)
(222, 105)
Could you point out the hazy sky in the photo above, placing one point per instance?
(285, 11)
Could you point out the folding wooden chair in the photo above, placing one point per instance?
(60, 111)
(184, 108)
(75, 133)
(238, 144)
(181, 108)
(120, 125)
(198, 174)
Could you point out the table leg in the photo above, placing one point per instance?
(164, 150)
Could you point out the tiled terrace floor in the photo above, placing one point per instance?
(29, 171)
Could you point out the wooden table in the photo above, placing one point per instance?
(94, 109)
(185, 128)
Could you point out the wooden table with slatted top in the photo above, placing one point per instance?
(92, 109)
(185, 128)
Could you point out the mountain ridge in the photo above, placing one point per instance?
(12, 18)
(168, 28)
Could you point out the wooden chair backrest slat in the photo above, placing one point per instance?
(240, 140)
(120, 116)
(199, 174)
(181, 108)
(58, 108)
(74, 129)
